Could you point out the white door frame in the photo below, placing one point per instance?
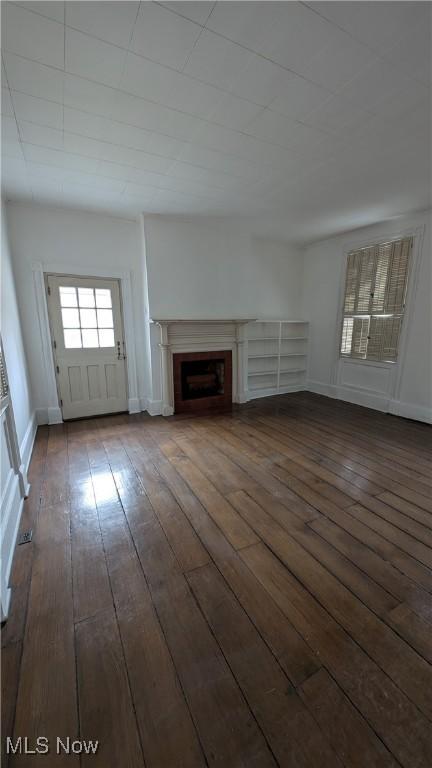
(40, 269)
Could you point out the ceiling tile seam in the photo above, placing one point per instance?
(38, 13)
(16, 120)
(71, 208)
(154, 132)
(210, 122)
(130, 40)
(182, 16)
(341, 29)
(173, 69)
(203, 26)
(130, 93)
(125, 164)
(125, 146)
(121, 90)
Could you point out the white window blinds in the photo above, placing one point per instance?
(374, 300)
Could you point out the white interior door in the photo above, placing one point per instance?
(88, 343)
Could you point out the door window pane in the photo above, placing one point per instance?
(105, 318)
(92, 324)
(90, 337)
(103, 297)
(68, 296)
(88, 318)
(70, 318)
(72, 338)
(86, 297)
(106, 337)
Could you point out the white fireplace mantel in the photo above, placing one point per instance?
(202, 335)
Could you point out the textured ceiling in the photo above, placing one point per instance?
(307, 118)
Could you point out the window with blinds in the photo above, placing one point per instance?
(374, 300)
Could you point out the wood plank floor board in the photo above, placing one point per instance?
(345, 451)
(405, 667)
(164, 720)
(105, 702)
(365, 432)
(183, 539)
(408, 509)
(404, 541)
(392, 716)
(258, 466)
(371, 594)
(10, 669)
(238, 533)
(275, 703)
(348, 732)
(91, 588)
(228, 731)
(47, 698)
(293, 654)
(382, 571)
(249, 588)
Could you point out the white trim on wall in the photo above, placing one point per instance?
(12, 502)
(384, 401)
(52, 414)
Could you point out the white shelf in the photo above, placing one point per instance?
(262, 373)
(259, 389)
(261, 357)
(276, 379)
(294, 370)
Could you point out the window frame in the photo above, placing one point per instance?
(412, 269)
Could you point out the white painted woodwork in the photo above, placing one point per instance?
(277, 357)
(91, 380)
(196, 335)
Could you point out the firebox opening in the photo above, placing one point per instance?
(202, 378)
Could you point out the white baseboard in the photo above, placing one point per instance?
(154, 407)
(372, 400)
(27, 443)
(411, 411)
(41, 416)
(55, 416)
(134, 405)
(49, 416)
(320, 388)
(272, 391)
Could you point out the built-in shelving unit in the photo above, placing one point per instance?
(277, 356)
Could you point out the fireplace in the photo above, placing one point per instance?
(202, 380)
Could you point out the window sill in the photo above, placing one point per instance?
(373, 363)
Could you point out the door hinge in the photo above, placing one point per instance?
(57, 369)
(55, 344)
(49, 291)
(61, 401)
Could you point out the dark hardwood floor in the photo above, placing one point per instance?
(248, 589)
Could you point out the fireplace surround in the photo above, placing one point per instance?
(193, 336)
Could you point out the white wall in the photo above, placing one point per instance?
(69, 239)
(214, 269)
(19, 418)
(405, 388)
